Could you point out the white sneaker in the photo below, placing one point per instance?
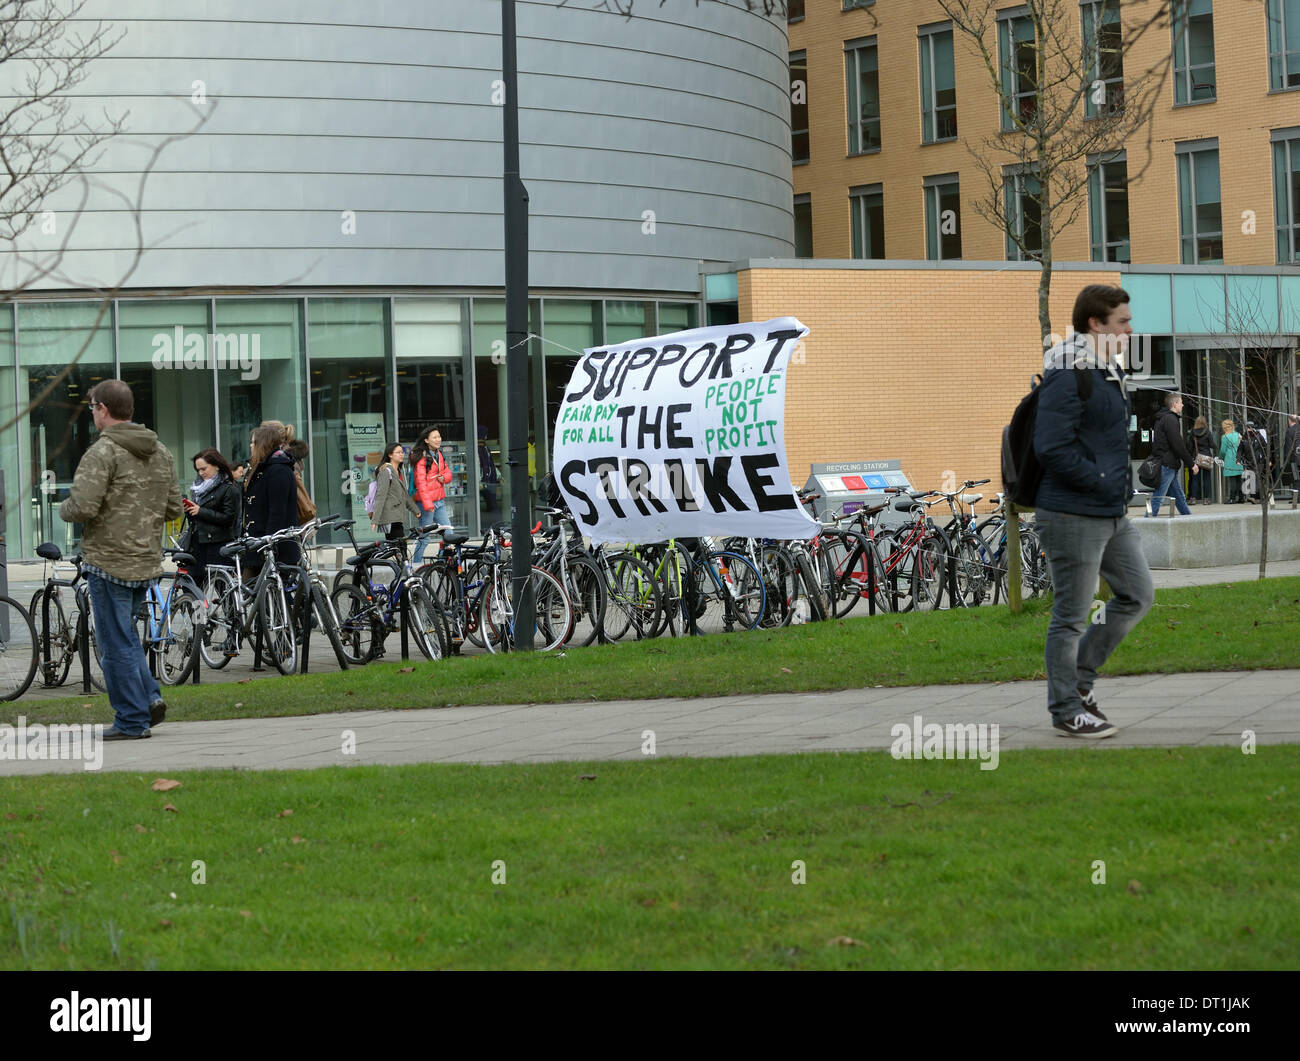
(1085, 724)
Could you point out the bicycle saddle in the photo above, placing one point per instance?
(906, 504)
(453, 537)
(182, 559)
(49, 551)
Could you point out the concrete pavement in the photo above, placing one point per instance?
(1151, 710)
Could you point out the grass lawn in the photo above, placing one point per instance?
(666, 864)
(1233, 626)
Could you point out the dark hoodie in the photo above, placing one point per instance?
(124, 490)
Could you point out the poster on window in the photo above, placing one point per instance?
(682, 435)
(365, 440)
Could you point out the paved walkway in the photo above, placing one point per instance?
(1152, 711)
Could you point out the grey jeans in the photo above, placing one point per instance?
(1083, 632)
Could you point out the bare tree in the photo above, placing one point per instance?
(46, 51)
(1254, 329)
(1067, 94)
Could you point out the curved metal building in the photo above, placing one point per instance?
(348, 143)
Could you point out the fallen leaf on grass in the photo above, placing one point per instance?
(285, 813)
(117, 859)
(170, 807)
(1134, 887)
(243, 681)
(297, 840)
(245, 913)
(348, 693)
(240, 704)
(844, 941)
(164, 784)
(140, 828)
(586, 777)
(648, 902)
(164, 923)
(405, 670)
(786, 670)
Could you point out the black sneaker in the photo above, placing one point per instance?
(1085, 724)
(116, 734)
(1089, 699)
(157, 713)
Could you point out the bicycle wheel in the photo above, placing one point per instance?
(18, 649)
(897, 561)
(930, 571)
(278, 642)
(221, 620)
(57, 634)
(1036, 574)
(969, 575)
(585, 587)
(427, 625)
(724, 593)
(779, 591)
(178, 643)
(634, 603)
(327, 621)
(552, 613)
(813, 591)
(845, 584)
(361, 632)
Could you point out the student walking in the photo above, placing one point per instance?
(1167, 444)
(392, 502)
(1083, 445)
(123, 491)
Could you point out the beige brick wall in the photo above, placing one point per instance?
(1241, 118)
(925, 367)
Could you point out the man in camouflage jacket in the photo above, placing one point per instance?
(124, 490)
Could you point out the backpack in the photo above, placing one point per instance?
(1021, 471)
(370, 496)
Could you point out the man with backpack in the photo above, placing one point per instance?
(1167, 444)
(1081, 439)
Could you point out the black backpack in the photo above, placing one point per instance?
(1021, 472)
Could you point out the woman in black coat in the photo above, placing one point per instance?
(270, 491)
(213, 511)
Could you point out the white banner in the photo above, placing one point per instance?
(682, 435)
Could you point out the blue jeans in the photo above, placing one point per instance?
(131, 688)
(1170, 477)
(430, 517)
(1081, 635)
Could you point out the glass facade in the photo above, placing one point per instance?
(1018, 56)
(1286, 195)
(867, 218)
(1200, 213)
(799, 107)
(1024, 215)
(1283, 44)
(938, 84)
(1103, 49)
(942, 218)
(349, 373)
(1108, 209)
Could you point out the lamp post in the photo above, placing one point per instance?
(516, 277)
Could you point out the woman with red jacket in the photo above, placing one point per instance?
(431, 478)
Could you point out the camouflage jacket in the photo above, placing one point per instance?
(124, 490)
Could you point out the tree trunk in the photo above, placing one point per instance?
(1014, 599)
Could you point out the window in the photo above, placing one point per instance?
(938, 84)
(1108, 208)
(799, 106)
(803, 245)
(1103, 49)
(794, 11)
(849, 5)
(1283, 44)
(1200, 217)
(867, 207)
(1018, 57)
(942, 217)
(861, 73)
(1193, 29)
(1024, 214)
(1286, 193)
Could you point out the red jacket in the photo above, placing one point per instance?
(429, 488)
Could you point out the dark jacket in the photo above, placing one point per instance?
(1167, 441)
(1202, 441)
(271, 501)
(218, 519)
(1290, 442)
(1083, 447)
